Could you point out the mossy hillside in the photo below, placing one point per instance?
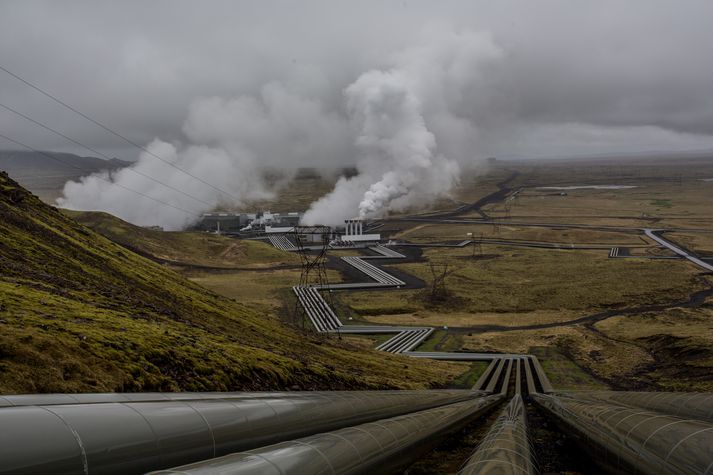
(80, 313)
(191, 248)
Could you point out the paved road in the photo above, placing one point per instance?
(655, 234)
(499, 195)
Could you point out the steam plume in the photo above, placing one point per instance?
(406, 129)
(229, 140)
(399, 163)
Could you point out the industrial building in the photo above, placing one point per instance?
(354, 232)
(236, 222)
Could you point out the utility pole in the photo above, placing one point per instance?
(476, 244)
(312, 246)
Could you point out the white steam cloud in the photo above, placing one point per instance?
(398, 165)
(405, 127)
(230, 139)
(400, 117)
(225, 168)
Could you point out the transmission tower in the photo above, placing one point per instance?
(496, 227)
(312, 245)
(509, 202)
(508, 206)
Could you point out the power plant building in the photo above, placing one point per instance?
(354, 232)
(236, 222)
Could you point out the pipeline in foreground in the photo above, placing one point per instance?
(632, 440)
(51, 399)
(380, 446)
(506, 447)
(136, 437)
(689, 405)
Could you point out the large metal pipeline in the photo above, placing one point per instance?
(506, 378)
(529, 379)
(541, 376)
(51, 399)
(136, 437)
(480, 383)
(506, 447)
(689, 405)
(633, 440)
(493, 382)
(380, 446)
(96, 398)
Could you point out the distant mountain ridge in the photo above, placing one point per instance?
(21, 160)
(46, 177)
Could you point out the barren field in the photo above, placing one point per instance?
(265, 290)
(458, 232)
(534, 280)
(701, 243)
(679, 340)
(662, 194)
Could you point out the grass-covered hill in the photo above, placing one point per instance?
(188, 248)
(81, 313)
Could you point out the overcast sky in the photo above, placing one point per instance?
(553, 77)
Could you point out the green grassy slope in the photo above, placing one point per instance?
(191, 248)
(81, 313)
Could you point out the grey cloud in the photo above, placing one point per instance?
(139, 65)
(264, 82)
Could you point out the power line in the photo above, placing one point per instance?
(125, 139)
(76, 142)
(98, 176)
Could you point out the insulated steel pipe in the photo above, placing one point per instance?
(50, 399)
(96, 398)
(135, 437)
(633, 440)
(505, 450)
(541, 376)
(506, 379)
(688, 405)
(380, 446)
(529, 379)
(480, 384)
(493, 382)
